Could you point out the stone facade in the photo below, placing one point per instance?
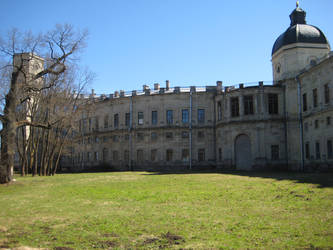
(287, 124)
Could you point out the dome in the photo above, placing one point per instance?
(299, 32)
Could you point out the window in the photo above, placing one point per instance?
(306, 127)
(115, 156)
(328, 120)
(185, 155)
(154, 117)
(273, 104)
(126, 137)
(153, 136)
(90, 123)
(248, 105)
(96, 139)
(314, 98)
(329, 149)
(96, 156)
(106, 121)
(153, 155)
(234, 107)
(116, 120)
(305, 104)
(126, 155)
(327, 93)
(84, 125)
(89, 140)
(316, 123)
(168, 135)
(139, 155)
(169, 153)
(88, 156)
(185, 134)
(275, 152)
(219, 111)
(115, 138)
(220, 154)
(169, 117)
(140, 118)
(307, 151)
(127, 119)
(185, 116)
(201, 154)
(313, 62)
(140, 136)
(105, 155)
(201, 116)
(96, 124)
(317, 150)
(201, 134)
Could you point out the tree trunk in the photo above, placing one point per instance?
(9, 133)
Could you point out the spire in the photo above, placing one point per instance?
(297, 16)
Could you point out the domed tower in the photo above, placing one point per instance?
(300, 45)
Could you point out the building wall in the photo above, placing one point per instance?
(317, 117)
(288, 61)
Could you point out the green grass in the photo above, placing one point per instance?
(144, 210)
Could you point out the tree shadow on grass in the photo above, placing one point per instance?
(323, 180)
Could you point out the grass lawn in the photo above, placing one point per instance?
(147, 210)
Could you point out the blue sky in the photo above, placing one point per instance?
(189, 42)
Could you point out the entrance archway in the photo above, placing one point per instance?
(243, 152)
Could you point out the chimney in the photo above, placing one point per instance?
(116, 94)
(156, 86)
(122, 93)
(145, 87)
(241, 85)
(167, 85)
(192, 89)
(219, 85)
(92, 93)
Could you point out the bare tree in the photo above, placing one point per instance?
(40, 77)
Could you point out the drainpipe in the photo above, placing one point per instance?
(130, 134)
(300, 121)
(190, 126)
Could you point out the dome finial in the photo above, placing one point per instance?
(297, 4)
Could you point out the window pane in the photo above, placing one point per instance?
(201, 116)
(169, 117)
(127, 119)
(275, 152)
(219, 111)
(329, 149)
(169, 155)
(154, 117)
(116, 120)
(315, 98)
(234, 107)
(305, 105)
(185, 116)
(140, 118)
(273, 104)
(201, 154)
(248, 105)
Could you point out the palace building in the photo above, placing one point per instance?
(287, 124)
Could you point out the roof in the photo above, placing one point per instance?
(299, 32)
